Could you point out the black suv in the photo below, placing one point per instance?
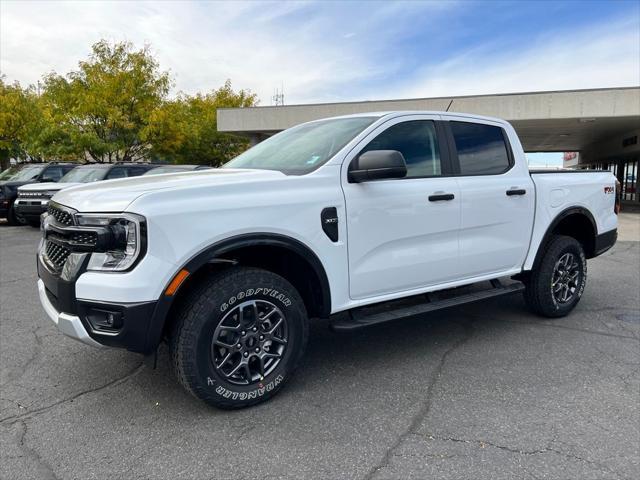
(32, 200)
(19, 175)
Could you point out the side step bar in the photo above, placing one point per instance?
(386, 312)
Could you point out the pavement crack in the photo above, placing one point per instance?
(37, 352)
(16, 418)
(566, 327)
(15, 280)
(542, 451)
(437, 456)
(43, 467)
(243, 432)
(484, 444)
(423, 412)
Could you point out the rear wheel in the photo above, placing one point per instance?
(556, 284)
(239, 337)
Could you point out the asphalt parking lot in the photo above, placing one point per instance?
(487, 391)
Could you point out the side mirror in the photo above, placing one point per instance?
(377, 165)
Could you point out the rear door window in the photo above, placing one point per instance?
(53, 174)
(117, 172)
(137, 171)
(482, 149)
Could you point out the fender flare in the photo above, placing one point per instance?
(554, 223)
(212, 254)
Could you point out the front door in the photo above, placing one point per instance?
(403, 233)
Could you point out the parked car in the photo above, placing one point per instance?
(629, 185)
(384, 216)
(14, 177)
(33, 198)
(176, 168)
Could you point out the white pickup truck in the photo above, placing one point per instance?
(383, 215)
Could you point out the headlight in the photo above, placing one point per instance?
(127, 241)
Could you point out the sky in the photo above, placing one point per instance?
(334, 51)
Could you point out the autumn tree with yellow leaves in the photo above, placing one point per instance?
(116, 107)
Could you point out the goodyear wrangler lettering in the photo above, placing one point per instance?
(270, 292)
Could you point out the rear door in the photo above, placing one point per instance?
(497, 197)
(399, 239)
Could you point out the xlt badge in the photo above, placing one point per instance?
(329, 220)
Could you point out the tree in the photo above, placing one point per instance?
(185, 129)
(100, 110)
(114, 107)
(20, 120)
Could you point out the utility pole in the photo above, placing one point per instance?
(278, 97)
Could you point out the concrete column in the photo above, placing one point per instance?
(254, 139)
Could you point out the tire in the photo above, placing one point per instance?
(557, 283)
(13, 218)
(34, 223)
(215, 373)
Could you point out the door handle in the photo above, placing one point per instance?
(441, 197)
(516, 191)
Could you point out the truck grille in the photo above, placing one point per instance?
(61, 216)
(56, 249)
(85, 238)
(34, 195)
(56, 254)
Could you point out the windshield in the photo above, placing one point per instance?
(23, 174)
(304, 148)
(84, 175)
(8, 173)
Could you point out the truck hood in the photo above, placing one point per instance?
(45, 187)
(116, 195)
(14, 185)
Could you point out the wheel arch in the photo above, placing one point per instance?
(576, 222)
(278, 253)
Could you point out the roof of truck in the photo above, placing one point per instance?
(401, 113)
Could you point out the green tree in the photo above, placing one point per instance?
(20, 120)
(101, 110)
(185, 130)
(114, 107)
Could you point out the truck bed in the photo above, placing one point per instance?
(562, 170)
(559, 190)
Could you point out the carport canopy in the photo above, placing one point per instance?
(558, 121)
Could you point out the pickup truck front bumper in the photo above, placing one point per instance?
(123, 325)
(70, 325)
(30, 210)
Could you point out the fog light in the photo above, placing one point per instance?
(105, 321)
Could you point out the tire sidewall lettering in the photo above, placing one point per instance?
(248, 395)
(250, 292)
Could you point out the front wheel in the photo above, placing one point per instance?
(239, 337)
(14, 219)
(556, 284)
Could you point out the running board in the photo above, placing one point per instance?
(386, 312)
